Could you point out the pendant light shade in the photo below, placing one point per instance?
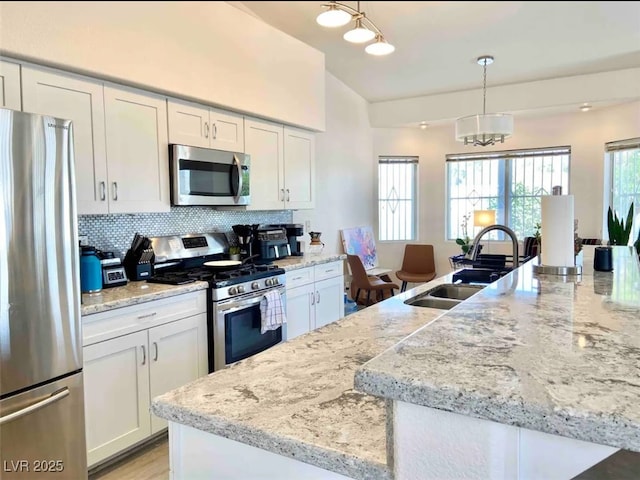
(333, 17)
(364, 30)
(379, 47)
(359, 34)
(486, 128)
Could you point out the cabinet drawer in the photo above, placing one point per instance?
(327, 270)
(121, 321)
(302, 276)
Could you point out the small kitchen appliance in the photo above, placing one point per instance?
(246, 235)
(293, 230)
(272, 244)
(233, 296)
(113, 272)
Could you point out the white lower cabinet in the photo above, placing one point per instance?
(314, 297)
(123, 374)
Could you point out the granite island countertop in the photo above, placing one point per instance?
(308, 260)
(555, 354)
(297, 399)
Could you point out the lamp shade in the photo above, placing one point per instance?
(379, 47)
(333, 17)
(488, 127)
(484, 218)
(359, 34)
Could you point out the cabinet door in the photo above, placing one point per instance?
(116, 392)
(264, 142)
(137, 151)
(299, 168)
(300, 302)
(81, 101)
(188, 123)
(9, 85)
(329, 301)
(177, 356)
(227, 130)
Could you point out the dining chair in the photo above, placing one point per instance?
(362, 281)
(418, 265)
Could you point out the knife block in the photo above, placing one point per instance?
(138, 265)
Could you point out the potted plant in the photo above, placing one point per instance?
(619, 231)
(234, 252)
(465, 241)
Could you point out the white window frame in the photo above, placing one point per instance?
(611, 150)
(399, 159)
(504, 179)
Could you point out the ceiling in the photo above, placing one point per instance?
(437, 43)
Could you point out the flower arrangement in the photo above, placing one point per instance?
(465, 241)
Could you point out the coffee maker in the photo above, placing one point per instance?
(293, 231)
(246, 236)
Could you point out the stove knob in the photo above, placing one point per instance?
(276, 281)
(240, 289)
(255, 286)
(268, 282)
(233, 291)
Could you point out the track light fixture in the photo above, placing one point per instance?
(364, 30)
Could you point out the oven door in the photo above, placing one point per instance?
(202, 176)
(236, 332)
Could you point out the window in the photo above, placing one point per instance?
(397, 202)
(510, 182)
(624, 157)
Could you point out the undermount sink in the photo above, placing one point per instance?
(480, 275)
(445, 296)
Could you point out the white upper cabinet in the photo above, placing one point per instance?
(9, 85)
(137, 150)
(264, 142)
(283, 160)
(200, 126)
(299, 168)
(80, 100)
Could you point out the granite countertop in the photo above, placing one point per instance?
(555, 354)
(140, 292)
(133, 293)
(297, 398)
(308, 260)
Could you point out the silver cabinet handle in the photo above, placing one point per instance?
(215, 130)
(282, 193)
(313, 298)
(206, 130)
(144, 355)
(55, 396)
(155, 358)
(103, 191)
(317, 297)
(288, 196)
(115, 190)
(148, 315)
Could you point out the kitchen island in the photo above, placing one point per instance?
(543, 355)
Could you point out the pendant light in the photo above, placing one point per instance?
(364, 30)
(486, 128)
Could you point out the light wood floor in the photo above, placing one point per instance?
(149, 463)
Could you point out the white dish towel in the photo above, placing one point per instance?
(272, 311)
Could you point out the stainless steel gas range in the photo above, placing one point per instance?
(234, 294)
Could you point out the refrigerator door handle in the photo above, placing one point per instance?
(54, 397)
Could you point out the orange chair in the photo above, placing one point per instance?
(418, 265)
(362, 281)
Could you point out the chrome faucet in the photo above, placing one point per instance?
(508, 231)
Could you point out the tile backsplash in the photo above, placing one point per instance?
(115, 232)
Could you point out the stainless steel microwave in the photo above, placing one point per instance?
(204, 176)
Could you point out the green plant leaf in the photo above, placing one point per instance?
(611, 226)
(460, 241)
(627, 228)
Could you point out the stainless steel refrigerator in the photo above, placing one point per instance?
(41, 392)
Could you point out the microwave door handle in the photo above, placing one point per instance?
(236, 183)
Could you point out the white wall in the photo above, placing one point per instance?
(586, 133)
(345, 168)
(205, 51)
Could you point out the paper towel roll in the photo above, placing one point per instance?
(557, 231)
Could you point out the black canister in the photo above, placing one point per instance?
(603, 259)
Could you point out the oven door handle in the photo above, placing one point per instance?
(236, 179)
(229, 306)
